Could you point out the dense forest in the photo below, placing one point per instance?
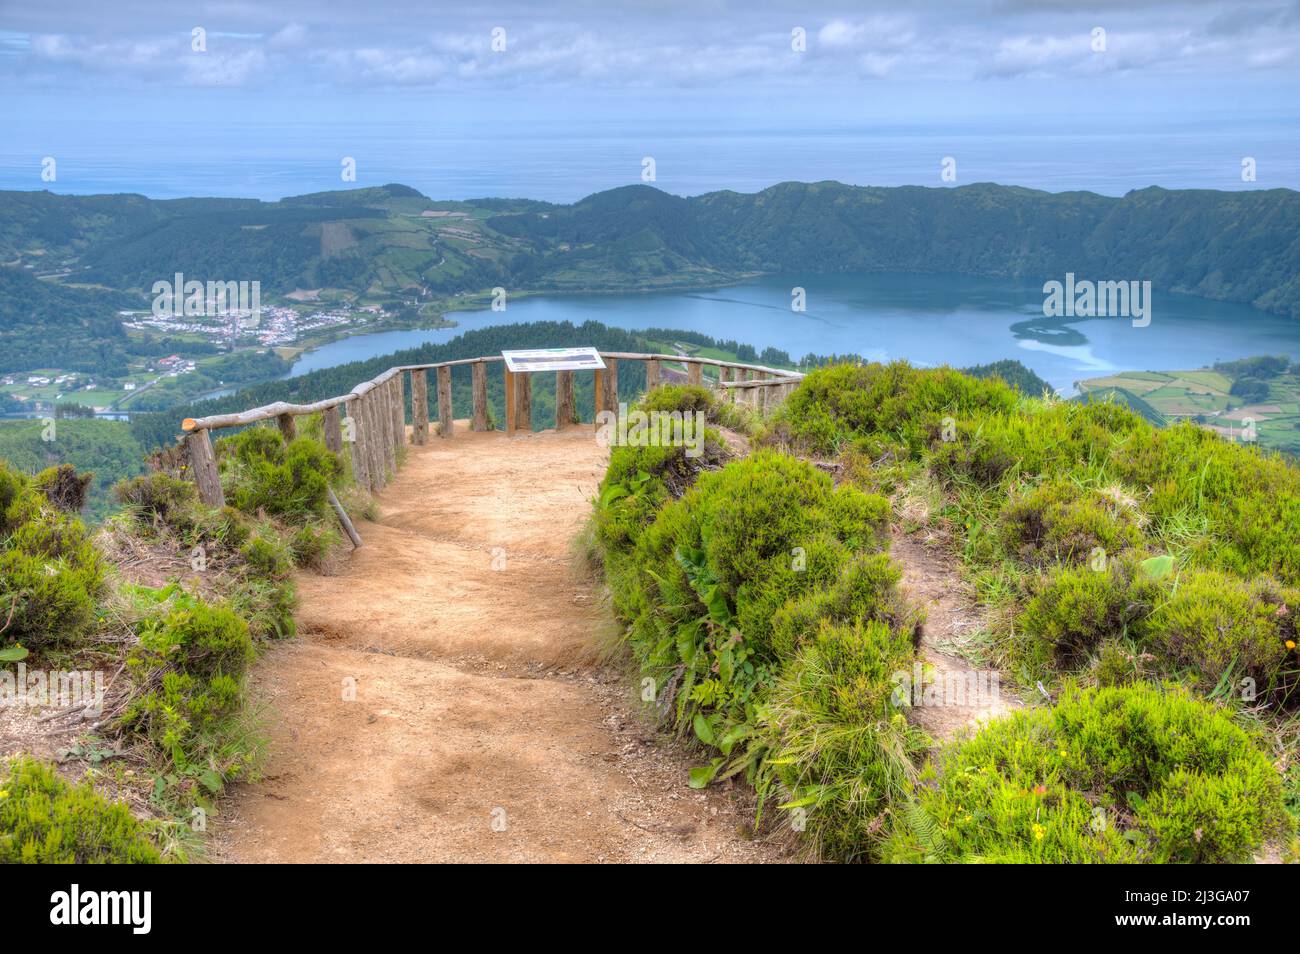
(106, 449)
(46, 325)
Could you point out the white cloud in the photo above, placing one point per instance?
(674, 43)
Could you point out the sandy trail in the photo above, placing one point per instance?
(932, 579)
(480, 729)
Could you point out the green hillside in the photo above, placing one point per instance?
(1232, 246)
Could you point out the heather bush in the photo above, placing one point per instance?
(1075, 609)
(766, 575)
(841, 747)
(51, 574)
(1142, 773)
(1057, 521)
(190, 666)
(836, 404)
(263, 474)
(47, 820)
(1220, 626)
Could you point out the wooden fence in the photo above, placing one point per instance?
(371, 418)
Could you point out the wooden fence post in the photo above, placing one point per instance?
(609, 382)
(344, 519)
(384, 403)
(287, 427)
(564, 402)
(378, 440)
(510, 402)
(445, 416)
(419, 407)
(333, 429)
(524, 410)
(360, 466)
(363, 437)
(478, 372)
(203, 465)
(651, 375)
(694, 373)
(398, 391)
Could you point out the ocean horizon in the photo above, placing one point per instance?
(539, 161)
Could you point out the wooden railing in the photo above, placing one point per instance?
(375, 426)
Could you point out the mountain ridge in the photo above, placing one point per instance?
(390, 241)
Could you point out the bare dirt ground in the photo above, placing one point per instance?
(932, 579)
(481, 727)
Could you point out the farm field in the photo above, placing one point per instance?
(1205, 396)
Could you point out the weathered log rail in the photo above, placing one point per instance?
(375, 424)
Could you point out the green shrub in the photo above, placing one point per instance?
(190, 664)
(865, 589)
(50, 610)
(640, 480)
(195, 637)
(836, 404)
(1058, 521)
(63, 487)
(254, 445)
(12, 484)
(312, 543)
(1115, 666)
(703, 583)
(1038, 438)
(266, 605)
(1076, 609)
(263, 474)
(156, 495)
(46, 820)
(268, 556)
(51, 574)
(768, 504)
(1134, 774)
(841, 750)
(686, 398)
(1218, 625)
(258, 559)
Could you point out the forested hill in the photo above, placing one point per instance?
(1235, 246)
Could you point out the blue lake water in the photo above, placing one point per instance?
(926, 319)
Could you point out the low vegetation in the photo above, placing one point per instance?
(44, 819)
(1145, 579)
(207, 588)
(763, 607)
(1111, 775)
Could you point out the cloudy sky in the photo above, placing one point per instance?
(1033, 68)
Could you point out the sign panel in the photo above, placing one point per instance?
(553, 359)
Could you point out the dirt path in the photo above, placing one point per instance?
(931, 577)
(480, 730)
